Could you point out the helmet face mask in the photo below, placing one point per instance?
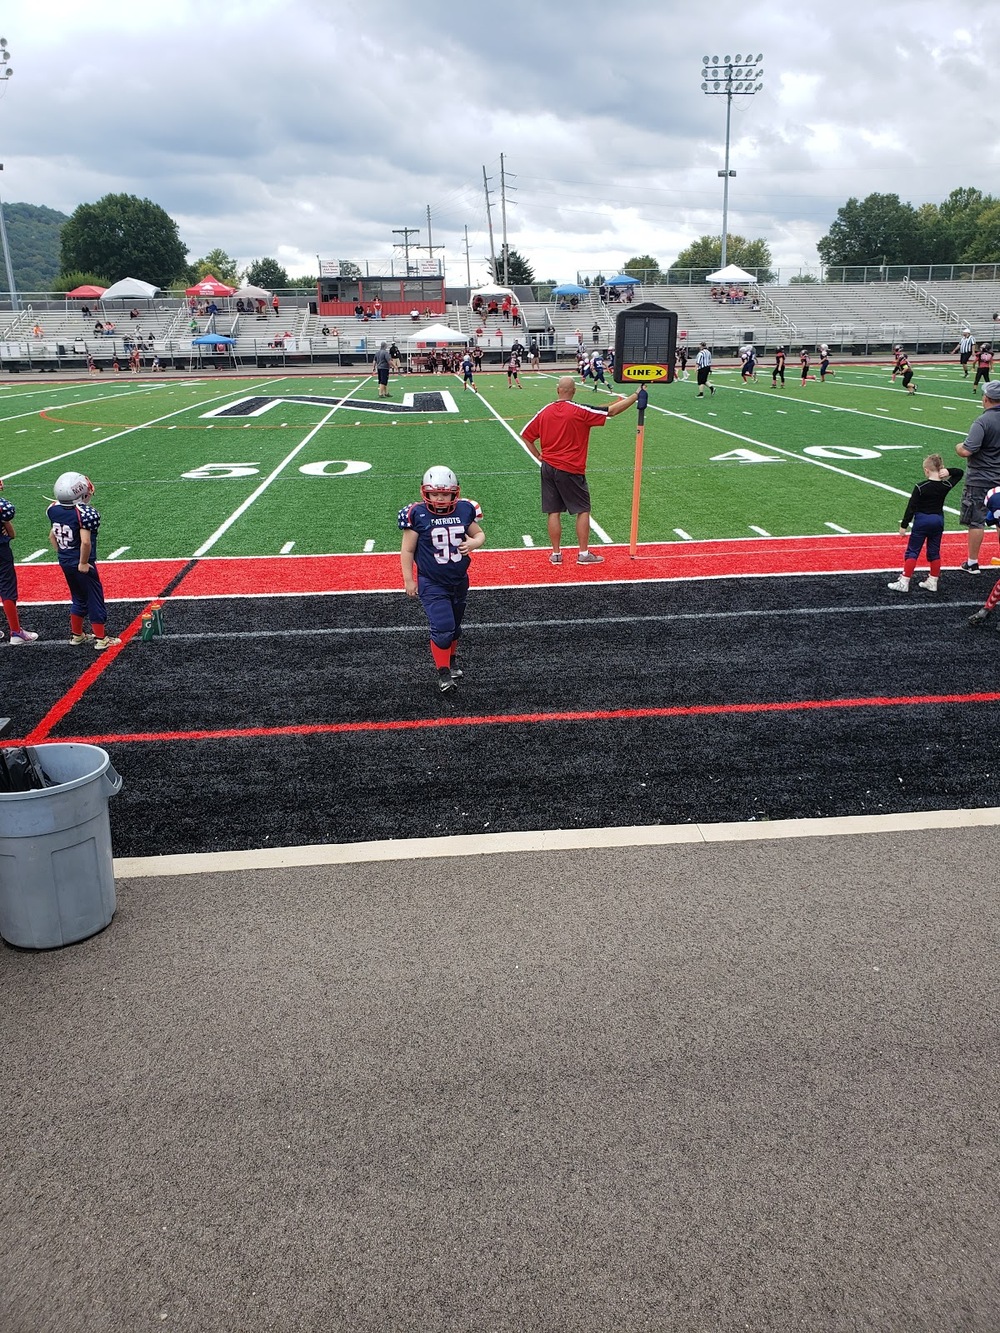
(73, 488)
(440, 490)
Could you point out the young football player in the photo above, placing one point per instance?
(440, 533)
(73, 535)
(926, 511)
(8, 575)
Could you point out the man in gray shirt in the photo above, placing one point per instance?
(982, 448)
(382, 364)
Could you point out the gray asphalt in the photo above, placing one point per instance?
(748, 1086)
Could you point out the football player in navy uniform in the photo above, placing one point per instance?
(73, 534)
(467, 372)
(8, 575)
(439, 535)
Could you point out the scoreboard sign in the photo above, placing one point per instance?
(645, 343)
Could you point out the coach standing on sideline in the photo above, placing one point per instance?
(982, 448)
(562, 430)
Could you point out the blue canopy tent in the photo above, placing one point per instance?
(569, 289)
(622, 280)
(213, 339)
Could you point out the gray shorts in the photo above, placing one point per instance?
(972, 513)
(564, 492)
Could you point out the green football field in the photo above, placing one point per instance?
(174, 478)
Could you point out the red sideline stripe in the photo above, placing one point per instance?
(75, 693)
(142, 580)
(495, 719)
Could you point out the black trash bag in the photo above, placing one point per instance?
(21, 771)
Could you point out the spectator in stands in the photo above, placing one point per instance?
(492, 308)
(505, 307)
(36, 332)
(563, 303)
(133, 313)
(99, 326)
(275, 304)
(377, 308)
(477, 304)
(156, 364)
(414, 316)
(477, 356)
(359, 311)
(109, 329)
(596, 331)
(211, 309)
(85, 311)
(515, 313)
(579, 337)
(240, 307)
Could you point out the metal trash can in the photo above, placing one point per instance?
(57, 881)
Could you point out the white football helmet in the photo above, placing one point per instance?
(440, 479)
(73, 488)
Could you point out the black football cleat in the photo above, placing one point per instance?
(455, 672)
(445, 682)
(979, 619)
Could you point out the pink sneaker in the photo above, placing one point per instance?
(23, 636)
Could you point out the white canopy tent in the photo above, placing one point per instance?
(492, 294)
(731, 273)
(437, 333)
(130, 289)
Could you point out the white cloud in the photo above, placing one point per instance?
(298, 128)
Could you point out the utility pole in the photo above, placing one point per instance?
(468, 270)
(406, 233)
(430, 247)
(503, 213)
(489, 223)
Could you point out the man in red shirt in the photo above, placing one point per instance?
(563, 431)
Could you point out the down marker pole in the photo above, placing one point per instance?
(645, 344)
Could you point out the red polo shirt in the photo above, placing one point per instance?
(563, 431)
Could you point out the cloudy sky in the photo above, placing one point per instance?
(305, 128)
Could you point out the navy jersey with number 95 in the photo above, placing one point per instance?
(438, 539)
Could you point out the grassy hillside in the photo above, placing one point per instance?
(33, 237)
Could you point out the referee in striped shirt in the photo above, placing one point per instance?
(704, 363)
(964, 350)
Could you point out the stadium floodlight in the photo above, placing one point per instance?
(730, 77)
(14, 302)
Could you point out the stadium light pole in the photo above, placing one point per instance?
(729, 77)
(7, 71)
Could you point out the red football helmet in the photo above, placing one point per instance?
(440, 480)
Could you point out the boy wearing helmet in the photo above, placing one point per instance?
(73, 535)
(8, 575)
(439, 534)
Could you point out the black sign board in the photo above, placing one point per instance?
(645, 343)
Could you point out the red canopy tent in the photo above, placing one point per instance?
(209, 286)
(87, 293)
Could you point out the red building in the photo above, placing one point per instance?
(398, 296)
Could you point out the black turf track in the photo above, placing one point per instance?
(763, 640)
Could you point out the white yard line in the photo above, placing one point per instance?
(804, 458)
(238, 513)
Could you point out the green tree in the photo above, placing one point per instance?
(803, 279)
(124, 236)
(879, 229)
(266, 273)
(983, 246)
(706, 254)
(219, 264)
(68, 282)
(643, 267)
(519, 270)
(960, 213)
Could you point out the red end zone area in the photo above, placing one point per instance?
(301, 575)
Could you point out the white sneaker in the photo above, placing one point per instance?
(930, 583)
(902, 584)
(23, 636)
